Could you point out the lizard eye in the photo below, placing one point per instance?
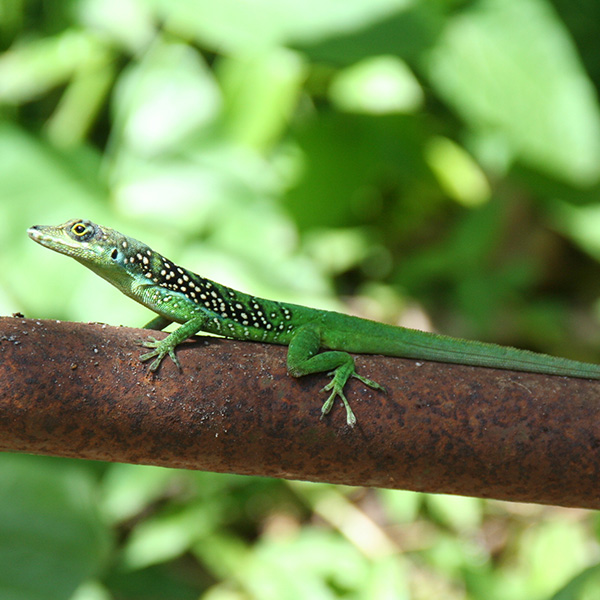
(79, 229)
(82, 231)
(114, 254)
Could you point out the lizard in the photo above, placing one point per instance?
(198, 304)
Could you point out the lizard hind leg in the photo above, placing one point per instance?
(304, 359)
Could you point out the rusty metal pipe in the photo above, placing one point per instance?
(79, 390)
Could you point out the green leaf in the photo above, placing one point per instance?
(244, 27)
(406, 32)
(512, 72)
(584, 586)
(31, 69)
(379, 85)
(168, 95)
(51, 535)
(458, 512)
(260, 93)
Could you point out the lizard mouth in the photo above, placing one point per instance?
(35, 234)
(48, 240)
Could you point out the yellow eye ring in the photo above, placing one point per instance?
(79, 229)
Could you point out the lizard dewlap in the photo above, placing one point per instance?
(199, 304)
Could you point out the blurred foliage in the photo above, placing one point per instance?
(426, 161)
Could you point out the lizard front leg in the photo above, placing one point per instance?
(304, 358)
(167, 345)
(158, 323)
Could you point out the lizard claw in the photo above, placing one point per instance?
(161, 349)
(369, 382)
(339, 378)
(337, 390)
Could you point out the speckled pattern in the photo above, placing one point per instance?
(170, 290)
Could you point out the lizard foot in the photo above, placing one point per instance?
(161, 349)
(336, 386)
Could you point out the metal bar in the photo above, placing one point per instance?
(79, 390)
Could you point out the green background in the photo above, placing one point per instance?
(430, 163)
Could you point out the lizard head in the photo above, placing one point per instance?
(103, 250)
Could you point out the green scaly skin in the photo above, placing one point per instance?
(199, 304)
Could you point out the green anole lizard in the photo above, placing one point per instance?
(199, 304)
